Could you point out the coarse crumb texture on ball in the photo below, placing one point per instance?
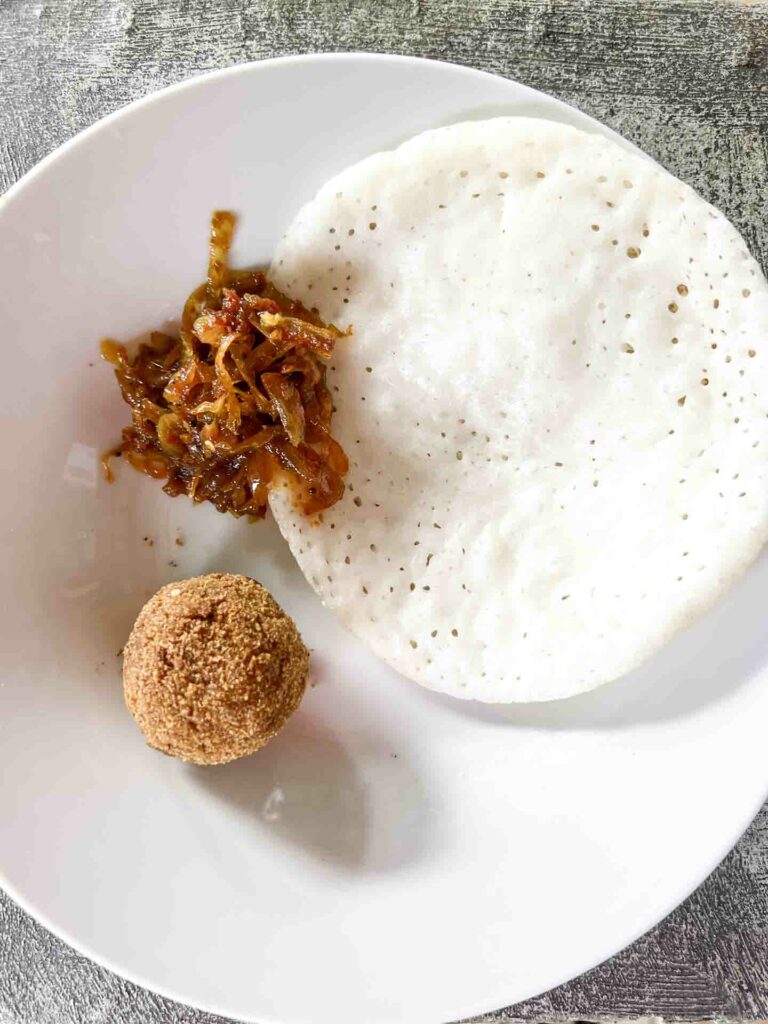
(213, 668)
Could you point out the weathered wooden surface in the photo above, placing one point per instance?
(688, 82)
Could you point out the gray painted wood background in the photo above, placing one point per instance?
(688, 82)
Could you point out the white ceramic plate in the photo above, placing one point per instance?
(393, 856)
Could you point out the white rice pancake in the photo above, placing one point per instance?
(554, 404)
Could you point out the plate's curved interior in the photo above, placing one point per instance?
(393, 855)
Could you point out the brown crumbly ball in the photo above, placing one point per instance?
(213, 668)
